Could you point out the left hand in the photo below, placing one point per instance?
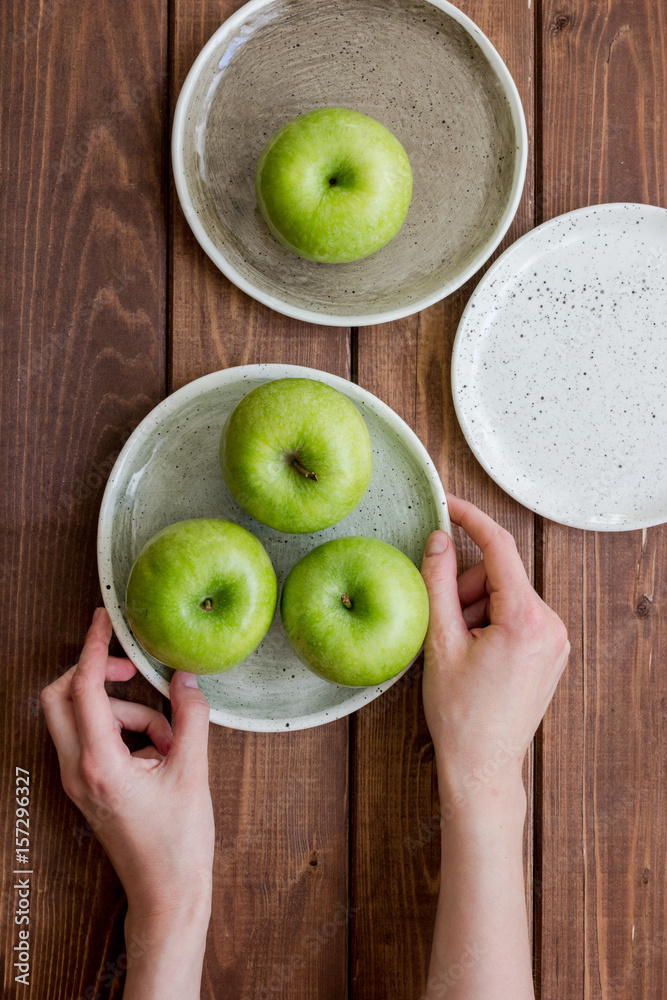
(151, 810)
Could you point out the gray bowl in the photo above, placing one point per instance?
(169, 471)
(421, 68)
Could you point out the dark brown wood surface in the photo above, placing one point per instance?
(326, 871)
(82, 307)
(603, 755)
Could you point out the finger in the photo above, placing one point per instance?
(94, 719)
(190, 721)
(140, 718)
(147, 753)
(61, 723)
(446, 622)
(476, 615)
(473, 584)
(502, 561)
(59, 688)
(59, 710)
(119, 668)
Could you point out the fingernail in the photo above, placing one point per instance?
(97, 612)
(189, 680)
(437, 543)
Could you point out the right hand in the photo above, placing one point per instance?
(494, 654)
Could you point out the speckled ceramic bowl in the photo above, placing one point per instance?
(421, 68)
(169, 471)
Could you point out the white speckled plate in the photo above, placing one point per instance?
(169, 471)
(559, 369)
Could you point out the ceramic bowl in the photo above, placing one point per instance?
(421, 68)
(168, 471)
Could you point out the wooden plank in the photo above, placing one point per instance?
(279, 924)
(395, 851)
(604, 822)
(82, 291)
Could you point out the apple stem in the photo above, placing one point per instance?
(208, 604)
(346, 600)
(303, 472)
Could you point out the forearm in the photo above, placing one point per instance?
(165, 955)
(480, 944)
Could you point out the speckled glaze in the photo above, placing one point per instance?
(168, 471)
(423, 70)
(559, 369)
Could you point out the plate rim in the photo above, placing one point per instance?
(113, 601)
(308, 315)
(609, 208)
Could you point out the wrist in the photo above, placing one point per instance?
(165, 951)
(186, 919)
(185, 900)
(475, 798)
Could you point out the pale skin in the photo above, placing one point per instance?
(151, 810)
(493, 657)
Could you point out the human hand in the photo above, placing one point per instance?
(151, 810)
(493, 656)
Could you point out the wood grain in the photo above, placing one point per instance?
(82, 292)
(280, 916)
(99, 318)
(395, 856)
(603, 903)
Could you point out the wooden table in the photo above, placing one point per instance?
(326, 870)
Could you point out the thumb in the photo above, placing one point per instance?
(190, 719)
(446, 623)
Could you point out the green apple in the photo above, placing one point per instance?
(355, 610)
(333, 185)
(201, 595)
(296, 454)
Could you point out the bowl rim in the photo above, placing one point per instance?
(311, 316)
(114, 602)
